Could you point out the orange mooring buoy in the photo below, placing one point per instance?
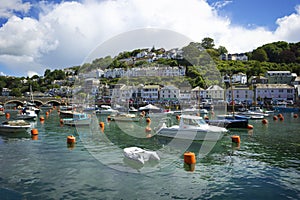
(236, 139)
(42, 119)
(61, 121)
(275, 117)
(7, 115)
(178, 117)
(148, 129)
(264, 121)
(189, 158)
(249, 126)
(34, 131)
(101, 124)
(71, 139)
(108, 118)
(295, 116)
(281, 118)
(148, 120)
(279, 115)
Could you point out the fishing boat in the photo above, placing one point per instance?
(14, 126)
(192, 128)
(78, 119)
(140, 155)
(229, 123)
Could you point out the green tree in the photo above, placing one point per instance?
(259, 55)
(222, 50)
(207, 43)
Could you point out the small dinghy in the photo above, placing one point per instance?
(140, 155)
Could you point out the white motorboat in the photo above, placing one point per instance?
(125, 117)
(27, 115)
(140, 155)
(14, 126)
(106, 110)
(192, 128)
(78, 119)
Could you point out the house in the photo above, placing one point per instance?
(239, 78)
(5, 91)
(150, 92)
(235, 56)
(169, 92)
(240, 93)
(198, 93)
(274, 92)
(215, 92)
(91, 85)
(258, 80)
(280, 77)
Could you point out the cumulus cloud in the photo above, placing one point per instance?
(65, 33)
(8, 7)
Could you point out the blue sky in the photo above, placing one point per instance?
(38, 35)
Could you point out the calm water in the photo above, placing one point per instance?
(265, 165)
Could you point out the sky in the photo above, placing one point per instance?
(53, 34)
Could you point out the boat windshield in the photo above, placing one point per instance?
(194, 122)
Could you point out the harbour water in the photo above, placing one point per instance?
(265, 165)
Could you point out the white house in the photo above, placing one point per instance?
(169, 92)
(150, 92)
(241, 93)
(198, 93)
(275, 91)
(215, 92)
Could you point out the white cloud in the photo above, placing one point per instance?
(65, 33)
(220, 4)
(8, 7)
(289, 26)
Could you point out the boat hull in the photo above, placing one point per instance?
(190, 134)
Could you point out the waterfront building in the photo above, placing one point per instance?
(198, 93)
(150, 92)
(169, 92)
(275, 92)
(240, 93)
(215, 92)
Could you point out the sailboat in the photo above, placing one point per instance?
(31, 105)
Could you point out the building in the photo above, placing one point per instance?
(240, 93)
(198, 93)
(169, 92)
(258, 80)
(280, 77)
(215, 92)
(235, 56)
(274, 92)
(5, 91)
(150, 92)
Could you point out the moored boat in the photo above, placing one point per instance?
(140, 155)
(78, 119)
(192, 128)
(27, 115)
(14, 126)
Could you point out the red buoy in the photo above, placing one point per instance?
(264, 121)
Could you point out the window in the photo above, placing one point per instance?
(281, 90)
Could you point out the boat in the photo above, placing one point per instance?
(14, 126)
(229, 123)
(106, 110)
(27, 114)
(67, 113)
(194, 111)
(192, 128)
(282, 107)
(233, 117)
(140, 155)
(125, 117)
(78, 119)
